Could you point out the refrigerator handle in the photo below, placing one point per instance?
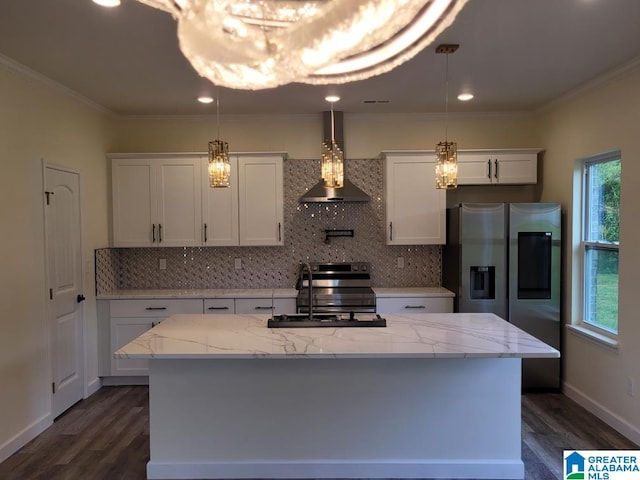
(489, 169)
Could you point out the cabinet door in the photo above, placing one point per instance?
(415, 208)
(123, 330)
(134, 202)
(475, 168)
(284, 305)
(220, 209)
(179, 202)
(414, 305)
(260, 202)
(253, 305)
(516, 168)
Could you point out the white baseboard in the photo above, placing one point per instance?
(603, 413)
(446, 468)
(120, 381)
(93, 386)
(23, 437)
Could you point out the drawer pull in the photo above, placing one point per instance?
(218, 308)
(156, 308)
(263, 308)
(415, 306)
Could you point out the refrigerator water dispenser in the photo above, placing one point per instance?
(482, 283)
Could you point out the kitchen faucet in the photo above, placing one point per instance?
(307, 266)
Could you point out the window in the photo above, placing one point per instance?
(600, 241)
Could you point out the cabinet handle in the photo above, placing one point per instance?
(489, 169)
(418, 307)
(156, 308)
(263, 308)
(279, 232)
(390, 231)
(153, 233)
(218, 308)
(496, 164)
(205, 233)
(159, 233)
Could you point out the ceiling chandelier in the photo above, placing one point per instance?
(256, 44)
(446, 152)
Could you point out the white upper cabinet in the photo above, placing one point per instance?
(415, 209)
(165, 200)
(260, 200)
(220, 209)
(156, 201)
(484, 167)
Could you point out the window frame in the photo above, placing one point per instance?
(590, 245)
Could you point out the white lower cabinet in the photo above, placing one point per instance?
(131, 318)
(414, 305)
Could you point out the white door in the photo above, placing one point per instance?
(64, 272)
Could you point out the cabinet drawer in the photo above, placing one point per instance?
(254, 305)
(154, 307)
(415, 305)
(219, 306)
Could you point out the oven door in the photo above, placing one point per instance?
(337, 300)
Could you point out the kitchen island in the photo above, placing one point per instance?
(428, 396)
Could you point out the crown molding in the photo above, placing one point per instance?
(590, 85)
(25, 71)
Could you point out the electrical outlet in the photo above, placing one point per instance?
(163, 264)
(400, 262)
(238, 263)
(631, 387)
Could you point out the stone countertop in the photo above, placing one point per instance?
(401, 292)
(260, 293)
(443, 335)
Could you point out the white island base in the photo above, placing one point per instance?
(335, 418)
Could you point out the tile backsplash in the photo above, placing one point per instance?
(304, 240)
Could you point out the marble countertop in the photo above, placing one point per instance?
(441, 335)
(260, 293)
(401, 292)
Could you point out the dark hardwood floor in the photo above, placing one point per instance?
(106, 437)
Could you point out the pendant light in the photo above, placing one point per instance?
(446, 152)
(219, 166)
(332, 156)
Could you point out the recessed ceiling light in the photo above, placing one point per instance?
(465, 97)
(205, 99)
(107, 3)
(332, 98)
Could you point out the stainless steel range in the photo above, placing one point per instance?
(336, 292)
(335, 288)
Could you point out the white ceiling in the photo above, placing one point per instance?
(514, 55)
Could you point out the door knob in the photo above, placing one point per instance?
(80, 298)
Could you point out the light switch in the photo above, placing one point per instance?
(400, 262)
(238, 263)
(163, 264)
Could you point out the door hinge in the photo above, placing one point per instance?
(51, 294)
(53, 387)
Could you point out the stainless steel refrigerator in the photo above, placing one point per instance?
(506, 259)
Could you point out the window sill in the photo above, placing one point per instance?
(595, 337)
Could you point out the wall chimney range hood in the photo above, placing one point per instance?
(349, 192)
